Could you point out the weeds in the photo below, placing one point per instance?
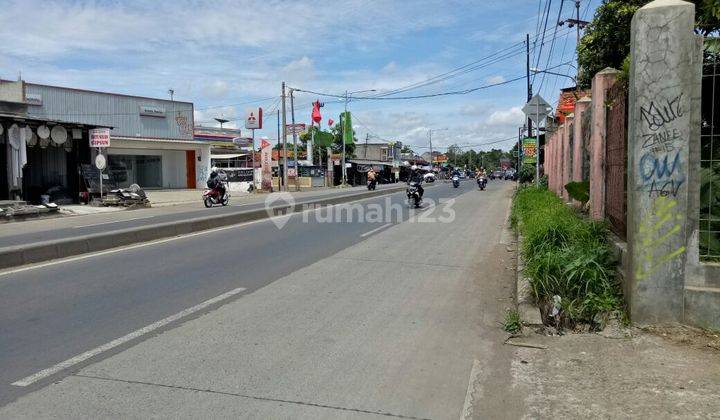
(512, 323)
(565, 255)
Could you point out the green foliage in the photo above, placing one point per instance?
(565, 255)
(337, 144)
(709, 212)
(513, 323)
(579, 191)
(606, 42)
(527, 173)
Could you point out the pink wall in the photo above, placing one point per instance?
(600, 85)
(566, 161)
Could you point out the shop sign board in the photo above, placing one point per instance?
(152, 111)
(529, 150)
(254, 118)
(100, 137)
(295, 128)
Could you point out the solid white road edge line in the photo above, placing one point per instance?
(124, 339)
(375, 230)
(468, 407)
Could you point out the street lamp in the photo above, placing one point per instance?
(537, 70)
(430, 131)
(347, 98)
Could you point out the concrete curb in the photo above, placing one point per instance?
(14, 256)
(527, 309)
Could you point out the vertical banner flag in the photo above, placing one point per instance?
(316, 117)
(529, 150)
(347, 128)
(266, 163)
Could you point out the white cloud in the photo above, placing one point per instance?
(512, 115)
(492, 80)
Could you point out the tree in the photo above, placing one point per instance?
(606, 42)
(406, 149)
(337, 146)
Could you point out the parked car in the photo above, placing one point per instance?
(511, 174)
(497, 175)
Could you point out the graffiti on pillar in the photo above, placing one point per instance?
(656, 232)
(661, 173)
(659, 113)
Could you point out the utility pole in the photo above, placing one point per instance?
(430, 141)
(344, 173)
(278, 149)
(367, 136)
(578, 24)
(284, 137)
(527, 76)
(295, 152)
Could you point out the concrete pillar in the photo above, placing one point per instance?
(663, 121)
(602, 81)
(567, 154)
(578, 147)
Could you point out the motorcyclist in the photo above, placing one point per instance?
(215, 181)
(371, 176)
(481, 173)
(417, 177)
(455, 173)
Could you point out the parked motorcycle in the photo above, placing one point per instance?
(213, 196)
(413, 195)
(456, 181)
(482, 183)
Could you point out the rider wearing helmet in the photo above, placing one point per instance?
(417, 177)
(215, 181)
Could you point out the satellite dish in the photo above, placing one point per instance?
(43, 131)
(58, 134)
(32, 141)
(14, 136)
(100, 162)
(26, 134)
(44, 143)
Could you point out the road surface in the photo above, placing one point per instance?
(394, 316)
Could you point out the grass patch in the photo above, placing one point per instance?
(512, 323)
(565, 255)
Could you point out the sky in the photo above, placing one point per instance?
(231, 56)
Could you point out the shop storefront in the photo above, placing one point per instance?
(151, 141)
(40, 157)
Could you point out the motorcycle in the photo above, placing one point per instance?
(212, 196)
(371, 184)
(482, 183)
(456, 181)
(413, 195)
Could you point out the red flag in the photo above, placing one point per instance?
(316, 117)
(330, 122)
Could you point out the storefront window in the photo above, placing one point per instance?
(144, 170)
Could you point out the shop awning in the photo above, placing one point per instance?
(229, 156)
(369, 162)
(27, 118)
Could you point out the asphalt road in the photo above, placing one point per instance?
(53, 312)
(28, 232)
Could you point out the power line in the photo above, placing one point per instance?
(542, 43)
(552, 44)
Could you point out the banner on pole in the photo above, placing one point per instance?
(347, 128)
(529, 150)
(266, 164)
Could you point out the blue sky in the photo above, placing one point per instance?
(228, 56)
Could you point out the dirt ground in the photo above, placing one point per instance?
(663, 372)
